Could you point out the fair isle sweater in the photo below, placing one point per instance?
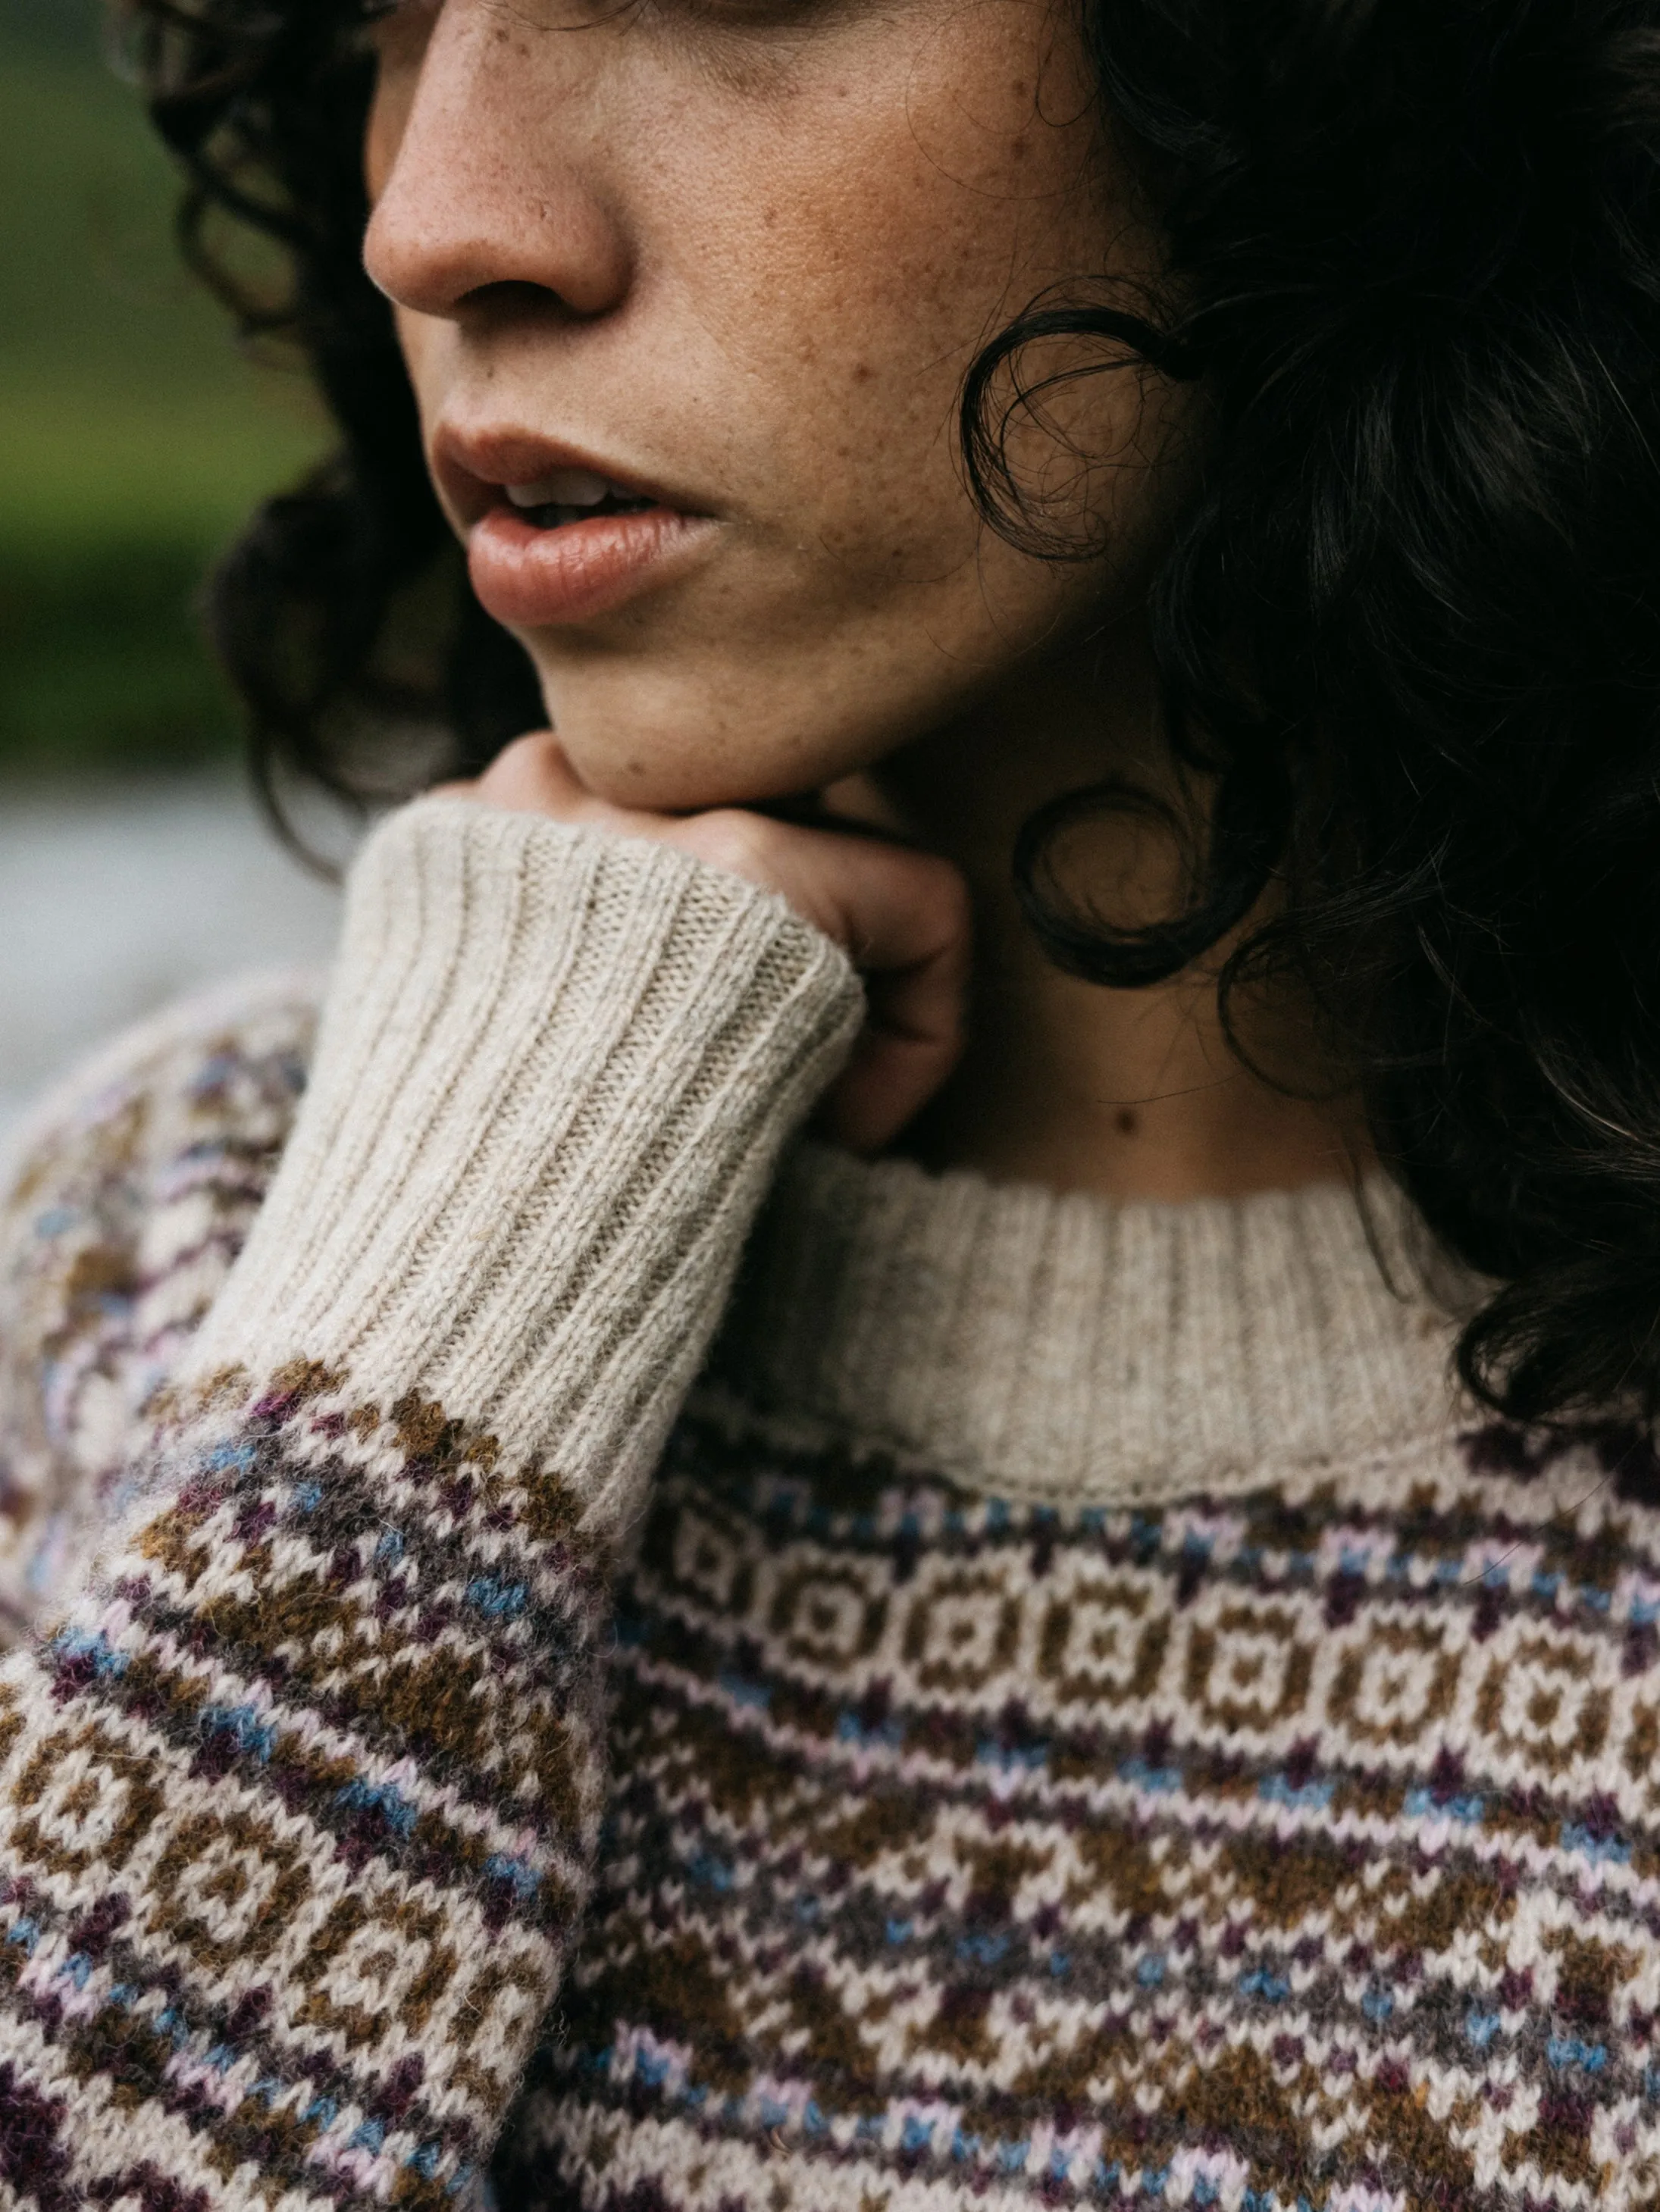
(1055, 1704)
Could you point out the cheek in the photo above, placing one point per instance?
(900, 224)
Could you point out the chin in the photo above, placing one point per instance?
(673, 787)
(632, 765)
(678, 748)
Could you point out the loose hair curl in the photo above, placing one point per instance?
(1408, 623)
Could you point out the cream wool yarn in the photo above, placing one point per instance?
(551, 1080)
(1086, 1715)
(1054, 1349)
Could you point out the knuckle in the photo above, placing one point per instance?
(946, 893)
(521, 772)
(729, 838)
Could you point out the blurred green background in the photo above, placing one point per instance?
(135, 434)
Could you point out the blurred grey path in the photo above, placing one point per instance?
(113, 903)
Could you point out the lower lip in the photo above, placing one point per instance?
(529, 579)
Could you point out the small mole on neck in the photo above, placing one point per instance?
(1126, 1121)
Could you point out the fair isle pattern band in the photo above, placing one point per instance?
(1298, 1851)
(1295, 1848)
(296, 1814)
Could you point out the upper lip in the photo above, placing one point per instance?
(471, 467)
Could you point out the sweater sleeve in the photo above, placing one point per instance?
(298, 1802)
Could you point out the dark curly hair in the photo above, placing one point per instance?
(1407, 624)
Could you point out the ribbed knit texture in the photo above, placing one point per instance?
(551, 1080)
(1051, 1347)
(1088, 1718)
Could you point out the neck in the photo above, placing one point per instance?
(1127, 1094)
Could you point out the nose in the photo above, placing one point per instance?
(488, 158)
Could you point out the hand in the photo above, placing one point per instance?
(901, 916)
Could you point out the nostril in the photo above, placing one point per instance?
(459, 283)
(512, 301)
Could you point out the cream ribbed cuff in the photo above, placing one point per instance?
(553, 1075)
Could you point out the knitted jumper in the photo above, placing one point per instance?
(1078, 1715)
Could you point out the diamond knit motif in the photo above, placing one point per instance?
(1293, 1849)
(300, 1797)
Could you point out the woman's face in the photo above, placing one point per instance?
(733, 257)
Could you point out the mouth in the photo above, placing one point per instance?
(563, 497)
(554, 540)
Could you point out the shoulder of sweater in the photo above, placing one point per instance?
(127, 1192)
(235, 1053)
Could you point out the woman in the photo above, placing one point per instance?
(1121, 1664)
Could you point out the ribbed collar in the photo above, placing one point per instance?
(1072, 1349)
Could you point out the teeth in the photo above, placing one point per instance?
(564, 488)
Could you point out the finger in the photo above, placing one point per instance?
(910, 934)
(532, 775)
(885, 1085)
(894, 909)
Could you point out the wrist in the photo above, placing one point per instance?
(553, 1075)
